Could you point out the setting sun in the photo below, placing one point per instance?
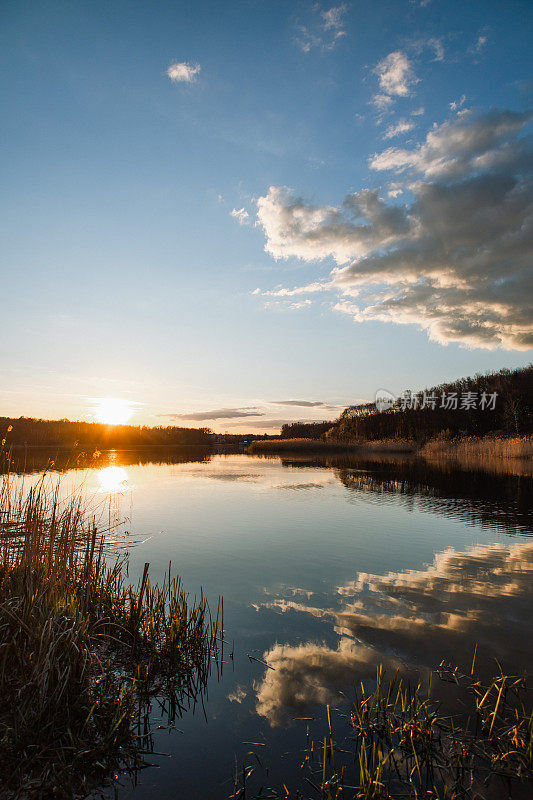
(112, 410)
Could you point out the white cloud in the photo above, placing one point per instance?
(437, 47)
(418, 112)
(182, 72)
(395, 74)
(402, 126)
(480, 44)
(323, 31)
(455, 260)
(455, 105)
(395, 189)
(461, 145)
(310, 288)
(241, 215)
(333, 18)
(382, 101)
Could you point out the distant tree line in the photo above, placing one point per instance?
(305, 430)
(90, 436)
(496, 402)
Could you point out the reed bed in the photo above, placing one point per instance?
(276, 446)
(83, 652)
(398, 741)
(492, 453)
(491, 447)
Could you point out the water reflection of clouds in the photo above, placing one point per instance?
(232, 476)
(414, 619)
(310, 674)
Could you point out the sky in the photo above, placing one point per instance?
(237, 214)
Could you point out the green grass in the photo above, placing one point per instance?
(82, 651)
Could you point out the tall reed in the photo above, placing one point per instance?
(83, 651)
(398, 741)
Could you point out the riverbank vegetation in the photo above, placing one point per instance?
(498, 403)
(460, 448)
(82, 651)
(399, 740)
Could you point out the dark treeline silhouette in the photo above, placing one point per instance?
(304, 430)
(90, 436)
(500, 402)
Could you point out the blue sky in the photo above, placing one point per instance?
(146, 257)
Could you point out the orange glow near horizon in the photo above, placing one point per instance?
(113, 410)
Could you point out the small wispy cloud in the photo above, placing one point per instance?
(455, 105)
(287, 305)
(302, 403)
(402, 126)
(437, 47)
(217, 413)
(183, 72)
(282, 291)
(241, 215)
(324, 31)
(480, 43)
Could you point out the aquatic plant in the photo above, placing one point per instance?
(399, 740)
(82, 651)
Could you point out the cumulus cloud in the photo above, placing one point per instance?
(296, 228)
(455, 260)
(324, 31)
(402, 126)
(241, 215)
(182, 72)
(396, 77)
(395, 189)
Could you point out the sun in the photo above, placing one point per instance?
(112, 410)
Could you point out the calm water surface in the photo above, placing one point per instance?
(327, 568)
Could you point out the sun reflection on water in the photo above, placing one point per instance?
(112, 480)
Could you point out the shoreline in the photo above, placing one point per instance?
(489, 453)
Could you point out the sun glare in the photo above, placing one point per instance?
(113, 410)
(112, 480)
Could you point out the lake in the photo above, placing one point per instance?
(328, 566)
